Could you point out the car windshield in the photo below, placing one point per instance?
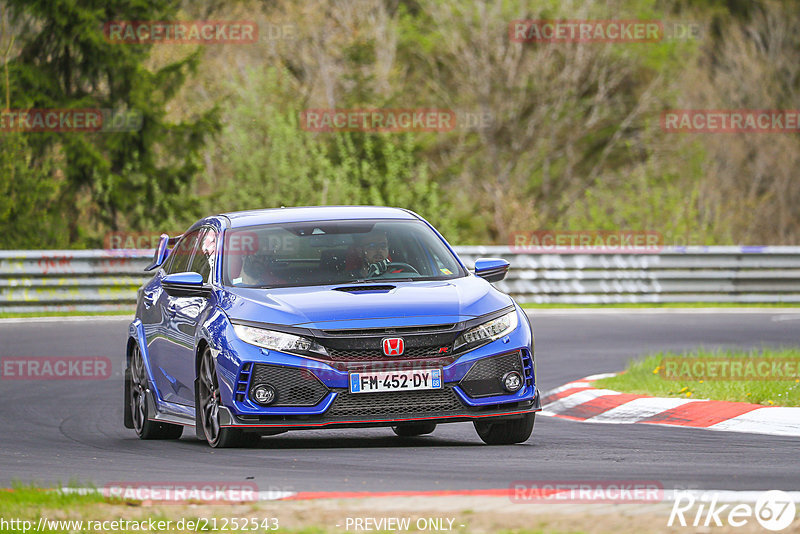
(335, 252)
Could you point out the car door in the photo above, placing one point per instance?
(184, 315)
(164, 353)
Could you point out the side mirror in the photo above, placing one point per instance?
(160, 254)
(491, 269)
(186, 284)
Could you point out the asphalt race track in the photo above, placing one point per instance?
(60, 431)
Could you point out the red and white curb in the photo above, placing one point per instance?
(666, 495)
(581, 401)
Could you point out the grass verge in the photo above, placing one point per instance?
(667, 374)
(27, 508)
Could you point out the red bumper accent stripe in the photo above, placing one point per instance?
(326, 423)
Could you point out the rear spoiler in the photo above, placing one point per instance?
(165, 242)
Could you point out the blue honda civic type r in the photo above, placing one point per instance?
(260, 322)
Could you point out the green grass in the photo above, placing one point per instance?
(29, 495)
(667, 305)
(648, 377)
(18, 315)
(29, 502)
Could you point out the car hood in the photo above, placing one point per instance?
(398, 304)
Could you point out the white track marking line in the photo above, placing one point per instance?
(774, 420)
(275, 495)
(786, 318)
(263, 495)
(732, 496)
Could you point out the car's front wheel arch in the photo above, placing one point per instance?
(212, 423)
(138, 409)
(127, 412)
(198, 355)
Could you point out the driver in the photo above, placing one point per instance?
(373, 254)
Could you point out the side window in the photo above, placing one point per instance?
(183, 253)
(205, 254)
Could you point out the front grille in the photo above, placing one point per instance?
(372, 354)
(484, 378)
(293, 387)
(390, 404)
(366, 345)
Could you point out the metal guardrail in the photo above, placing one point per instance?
(101, 280)
(680, 274)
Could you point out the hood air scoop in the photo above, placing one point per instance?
(365, 288)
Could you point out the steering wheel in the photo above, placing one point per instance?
(402, 267)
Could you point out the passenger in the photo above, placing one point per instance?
(256, 271)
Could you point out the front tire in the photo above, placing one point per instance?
(414, 429)
(137, 401)
(207, 412)
(506, 432)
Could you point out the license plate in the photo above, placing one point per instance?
(395, 381)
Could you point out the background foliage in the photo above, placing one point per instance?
(574, 141)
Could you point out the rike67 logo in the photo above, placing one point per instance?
(774, 510)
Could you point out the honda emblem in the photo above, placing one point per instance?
(393, 346)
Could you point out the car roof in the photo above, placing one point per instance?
(240, 219)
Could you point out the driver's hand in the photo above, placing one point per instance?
(378, 268)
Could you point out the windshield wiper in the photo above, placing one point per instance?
(378, 281)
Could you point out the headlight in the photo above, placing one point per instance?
(488, 331)
(273, 340)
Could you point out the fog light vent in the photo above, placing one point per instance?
(494, 376)
(512, 381)
(263, 394)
